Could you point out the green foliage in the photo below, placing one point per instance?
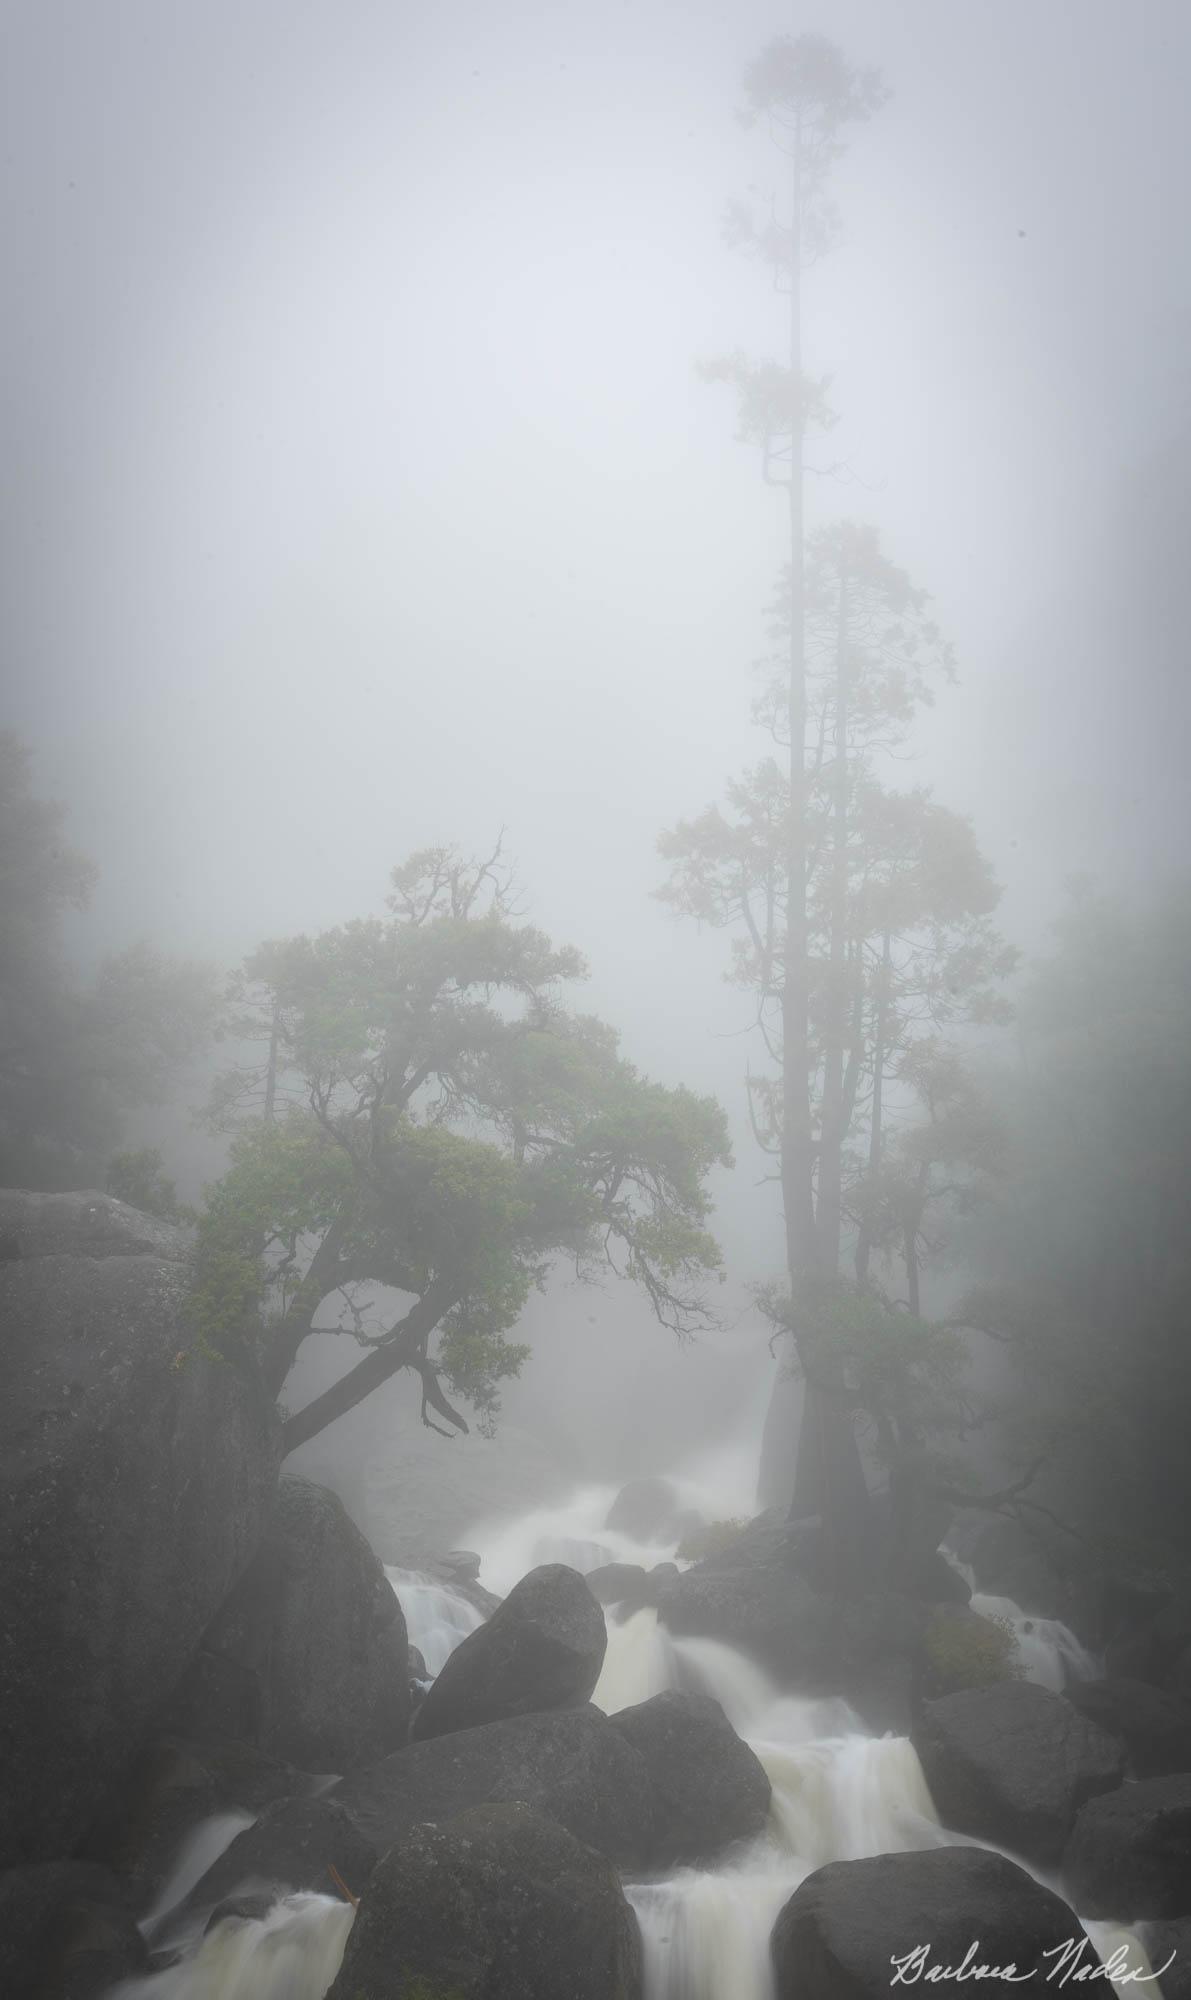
(139, 1178)
(969, 1651)
(443, 1127)
(713, 1538)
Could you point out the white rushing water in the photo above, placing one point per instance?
(199, 1851)
(839, 1792)
(436, 1616)
(291, 1954)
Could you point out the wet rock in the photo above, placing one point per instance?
(173, 1786)
(543, 1648)
(1129, 1855)
(647, 1510)
(929, 1576)
(572, 1765)
(250, 1907)
(498, 1904)
(66, 1932)
(1169, 1943)
(1154, 1728)
(709, 1788)
(626, 1584)
(308, 1656)
(138, 1468)
(837, 1936)
(293, 1845)
(1013, 1764)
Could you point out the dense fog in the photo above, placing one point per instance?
(445, 460)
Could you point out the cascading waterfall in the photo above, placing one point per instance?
(839, 1793)
(436, 1616)
(199, 1851)
(293, 1953)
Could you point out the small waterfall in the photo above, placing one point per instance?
(200, 1850)
(437, 1617)
(637, 1664)
(293, 1953)
(1048, 1650)
(705, 1935)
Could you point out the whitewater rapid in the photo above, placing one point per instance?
(839, 1792)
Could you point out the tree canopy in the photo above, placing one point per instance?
(423, 1116)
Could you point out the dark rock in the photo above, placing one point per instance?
(1151, 1646)
(293, 1845)
(626, 1584)
(1012, 1763)
(499, 1904)
(647, 1510)
(250, 1907)
(462, 1565)
(709, 1788)
(1129, 1855)
(1155, 1728)
(172, 1787)
(66, 1932)
(138, 1467)
(416, 1665)
(929, 1576)
(542, 1649)
(572, 1765)
(836, 1937)
(1170, 1942)
(308, 1656)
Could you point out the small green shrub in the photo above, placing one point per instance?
(714, 1538)
(970, 1651)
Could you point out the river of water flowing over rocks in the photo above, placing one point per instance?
(839, 1791)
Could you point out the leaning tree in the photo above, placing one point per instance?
(422, 1131)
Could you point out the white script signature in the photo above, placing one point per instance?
(1069, 1963)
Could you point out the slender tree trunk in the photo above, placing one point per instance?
(833, 1120)
(271, 1069)
(798, 1151)
(828, 1476)
(864, 1240)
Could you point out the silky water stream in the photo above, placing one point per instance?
(839, 1792)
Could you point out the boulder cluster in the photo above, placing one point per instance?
(192, 1639)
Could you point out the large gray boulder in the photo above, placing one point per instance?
(1168, 1945)
(843, 1928)
(1129, 1855)
(709, 1788)
(138, 1466)
(1013, 1764)
(649, 1510)
(570, 1764)
(543, 1648)
(66, 1932)
(1153, 1727)
(499, 1904)
(309, 1656)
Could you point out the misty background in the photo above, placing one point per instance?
(360, 492)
